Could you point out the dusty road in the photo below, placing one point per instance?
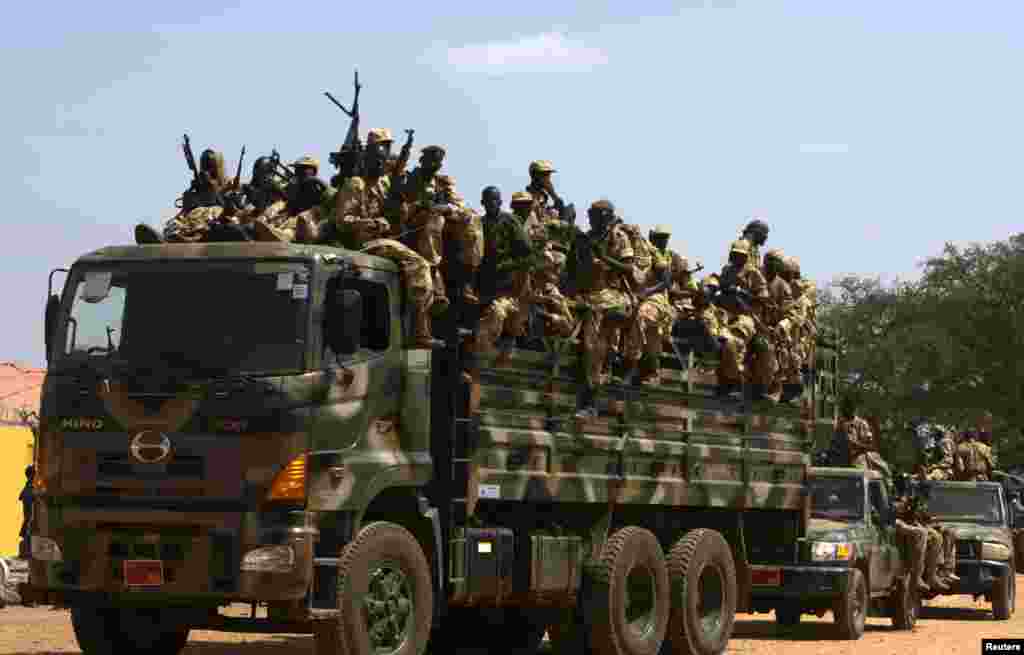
(950, 626)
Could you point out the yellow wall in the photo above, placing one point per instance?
(15, 455)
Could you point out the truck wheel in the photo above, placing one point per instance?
(850, 611)
(703, 577)
(629, 608)
(1004, 589)
(788, 615)
(109, 631)
(903, 603)
(385, 599)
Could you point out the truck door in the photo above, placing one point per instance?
(886, 564)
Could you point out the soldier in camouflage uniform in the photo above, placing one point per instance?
(940, 556)
(914, 537)
(424, 211)
(360, 222)
(308, 201)
(554, 309)
(777, 327)
(943, 469)
(756, 234)
(508, 311)
(985, 437)
(806, 297)
(550, 220)
(201, 205)
(655, 315)
(862, 444)
(606, 261)
(264, 196)
(741, 327)
(463, 230)
(973, 460)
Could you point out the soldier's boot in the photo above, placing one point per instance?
(587, 407)
(422, 333)
(144, 235)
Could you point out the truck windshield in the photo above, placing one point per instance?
(243, 318)
(965, 504)
(837, 499)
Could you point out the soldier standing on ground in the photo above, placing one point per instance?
(26, 497)
(606, 258)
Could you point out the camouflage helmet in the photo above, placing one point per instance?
(541, 166)
(308, 162)
(521, 198)
(741, 246)
(660, 230)
(378, 135)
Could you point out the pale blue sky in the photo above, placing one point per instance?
(867, 133)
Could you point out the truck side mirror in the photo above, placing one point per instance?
(344, 321)
(50, 322)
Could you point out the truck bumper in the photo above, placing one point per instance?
(803, 581)
(978, 575)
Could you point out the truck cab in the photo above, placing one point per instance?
(850, 561)
(983, 521)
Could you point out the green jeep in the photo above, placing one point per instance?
(983, 522)
(850, 562)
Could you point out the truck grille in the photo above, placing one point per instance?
(123, 466)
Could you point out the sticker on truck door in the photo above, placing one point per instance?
(492, 491)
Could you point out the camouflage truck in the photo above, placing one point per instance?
(226, 423)
(983, 521)
(851, 561)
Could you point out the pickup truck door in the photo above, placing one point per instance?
(886, 565)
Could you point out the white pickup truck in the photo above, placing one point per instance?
(13, 571)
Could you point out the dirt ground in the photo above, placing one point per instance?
(950, 626)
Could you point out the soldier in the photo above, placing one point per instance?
(605, 260)
(308, 199)
(940, 558)
(973, 460)
(805, 297)
(487, 273)
(507, 312)
(755, 233)
(742, 291)
(464, 232)
(554, 309)
(862, 444)
(655, 315)
(201, 205)
(944, 468)
(26, 498)
(914, 536)
(360, 222)
(771, 362)
(423, 216)
(551, 219)
(984, 426)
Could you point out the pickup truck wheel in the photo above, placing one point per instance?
(1003, 591)
(850, 611)
(703, 577)
(110, 631)
(903, 603)
(385, 599)
(629, 608)
(788, 615)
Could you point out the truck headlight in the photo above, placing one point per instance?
(994, 551)
(45, 549)
(829, 551)
(273, 559)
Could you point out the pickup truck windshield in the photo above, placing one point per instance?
(837, 499)
(965, 504)
(233, 319)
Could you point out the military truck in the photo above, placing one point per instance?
(240, 422)
(983, 521)
(851, 561)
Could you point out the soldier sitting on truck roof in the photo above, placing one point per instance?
(973, 459)
(308, 200)
(862, 444)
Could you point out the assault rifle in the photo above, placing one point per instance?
(348, 158)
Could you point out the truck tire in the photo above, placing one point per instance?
(703, 578)
(903, 603)
(850, 611)
(383, 581)
(1004, 590)
(788, 615)
(110, 631)
(629, 608)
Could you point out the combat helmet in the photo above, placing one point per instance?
(308, 162)
(378, 135)
(757, 225)
(541, 166)
(521, 198)
(741, 246)
(660, 230)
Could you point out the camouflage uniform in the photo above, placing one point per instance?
(422, 223)
(742, 327)
(914, 537)
(806, 296)
(545, 223)
(943, 469)
(555, 308)
(769, 363)
(940, 558)
(464, 229)
(201, 204)
(605, 297)
(655, 315)
(863, 445)
(507, 313)
(308, 201)
(973, 460)
(360, 221)
(752, 228)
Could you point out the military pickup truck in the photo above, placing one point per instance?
(983, 521)
(851, 561)
(240, 422)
